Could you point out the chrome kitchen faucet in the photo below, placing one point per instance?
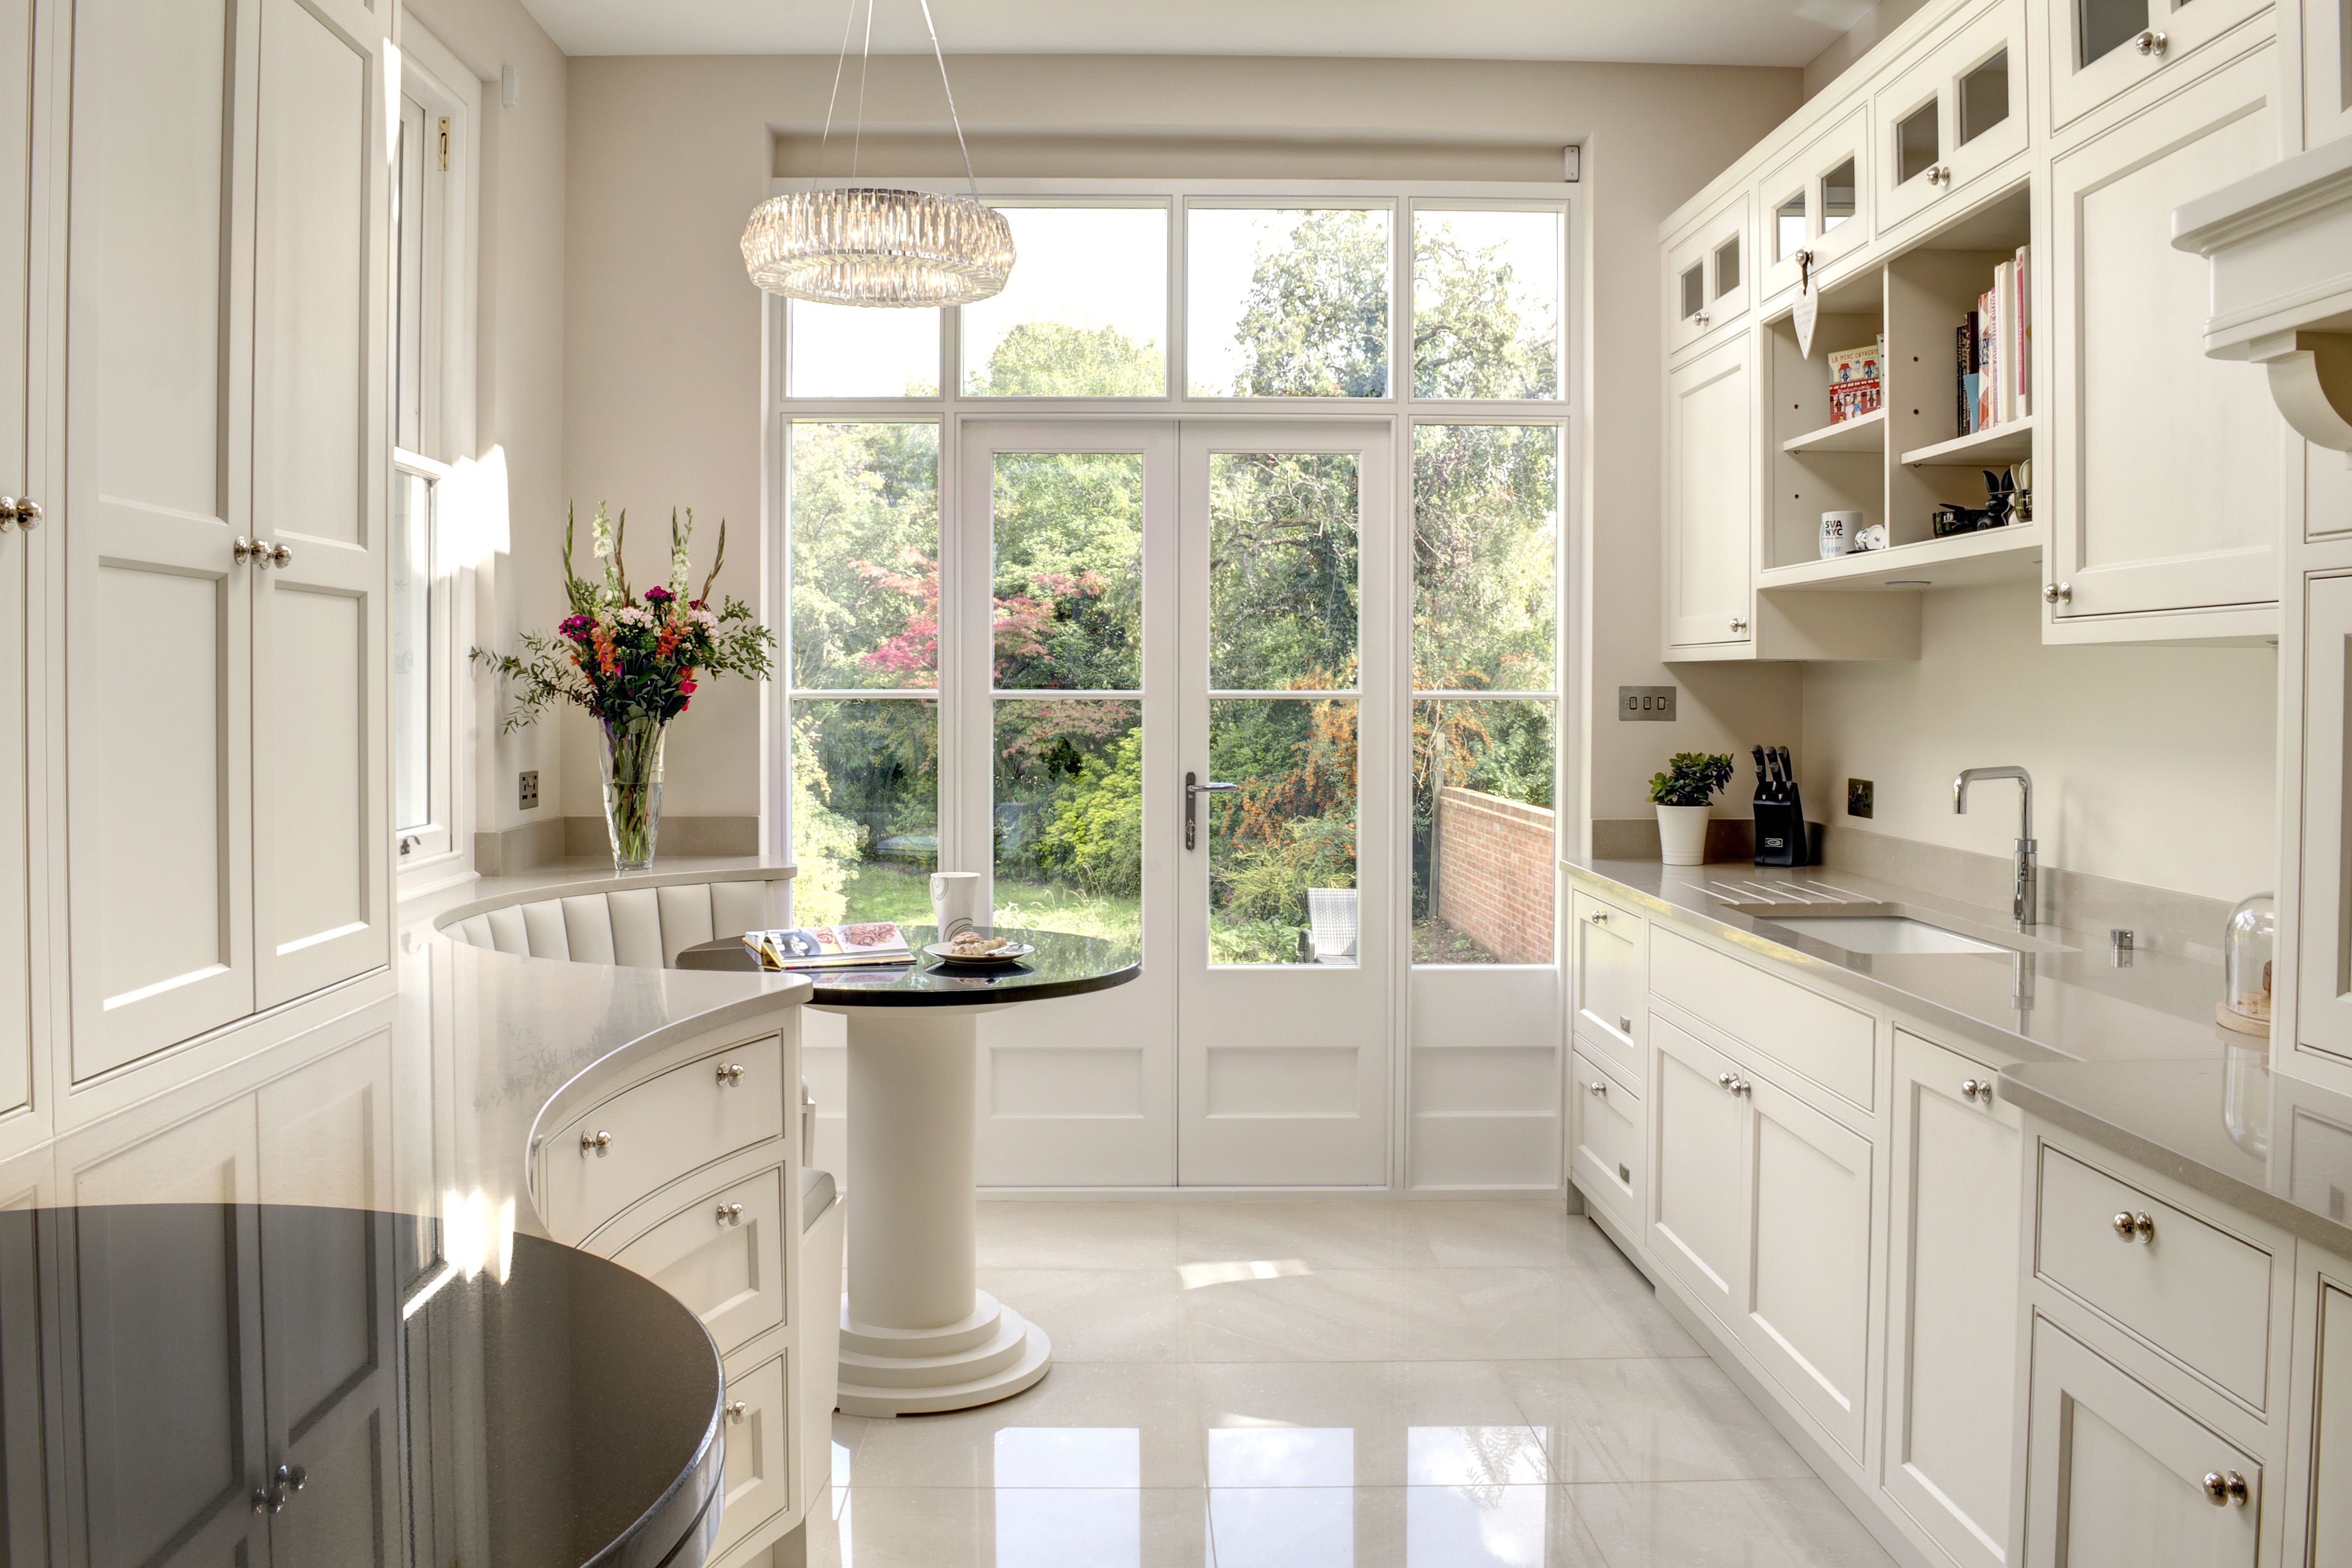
(2025, 886)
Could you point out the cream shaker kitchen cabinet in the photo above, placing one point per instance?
(1951, 1302)
(1711, 502)
(2165, 474)
(1814, 206)
(1698, 1193)
(2101, 50)
(23, 543)
(1954, 117)
(224, 459)
(2329, 1460)
(2117, 1476)
(2322, 904)
(2327, 31)
(1708, 274)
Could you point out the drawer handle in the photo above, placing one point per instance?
(1598, 917)
(731, 1076)
(2134, 1227)
(1725, 1079)
(1597, 1087)
(736, 1409)
(595, 1143)
(731, 1214)
(1624, 1023)
(2223, 1488)
(2151, 42)
(1978, 1089)
(1741, 1086)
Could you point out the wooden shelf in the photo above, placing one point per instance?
(1965, 560)
(2002, 444)
(1863, 433)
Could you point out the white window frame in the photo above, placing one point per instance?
(440, 853)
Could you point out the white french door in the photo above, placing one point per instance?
(1229, 575)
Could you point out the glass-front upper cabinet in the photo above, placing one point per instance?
(1707, 275)
(2099, 48)
(1816, 204)
(1956, 114)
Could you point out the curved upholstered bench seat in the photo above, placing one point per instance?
(639, 922)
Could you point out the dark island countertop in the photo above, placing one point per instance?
(1061, 966)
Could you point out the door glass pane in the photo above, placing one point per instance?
(1984, 98)
(1917, 142)
(2104, 26)
(413, 654)
(408, 297)
(1789, 226)
(1837, 195)
(1287, 302)
(1282, 570)
(1486, 533)
(1068, 818)
(866, 809)
(864, 522)
(1485, 304)
(1086, 314)
(1484, 839)
(1069, 542)
(1282, 849)
(1694, 284)
(1727, 266)
(850, 351)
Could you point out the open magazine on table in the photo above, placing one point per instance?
(860, 945)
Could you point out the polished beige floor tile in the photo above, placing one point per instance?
(1678, 1419)
(1726, 1524)
(1524, 1234)
(1051, 1235)
(1087, 1425)
(1398, 1527)
(1320, 1235)
(1365, 1424)
(1098, 1315)
(1338, 1314)
(1541, 1314)
(981, 1526)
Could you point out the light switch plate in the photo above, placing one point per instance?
(1645, 705)
(1858, 797)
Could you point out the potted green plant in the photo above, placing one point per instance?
(1681, 794)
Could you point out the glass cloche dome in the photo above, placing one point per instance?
(2246, 949)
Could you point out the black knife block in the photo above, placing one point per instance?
(1781, 835)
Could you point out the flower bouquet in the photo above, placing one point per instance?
(631, 660)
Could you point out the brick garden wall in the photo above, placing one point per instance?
(1495, 873)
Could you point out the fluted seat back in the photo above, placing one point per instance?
(640, 922)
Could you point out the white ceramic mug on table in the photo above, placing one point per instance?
(955, 907)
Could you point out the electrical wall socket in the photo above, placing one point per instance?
(527, 790)
(1645, 705)
(1857, 797)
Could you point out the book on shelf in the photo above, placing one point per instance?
(1964, 376)
(2021, 335)
(1855, 384)
(857, 946)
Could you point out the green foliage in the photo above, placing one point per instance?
(1055, 359)
(1691, 779)
(1095, 834)
(1314, 322)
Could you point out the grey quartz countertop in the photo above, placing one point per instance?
(2066, 998)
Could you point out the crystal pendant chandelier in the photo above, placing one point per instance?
(874, 245)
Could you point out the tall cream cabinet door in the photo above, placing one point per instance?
(2323, 900)
(1952, 1302)
(322, 867)
(1710, 499)
(158, 678)
(2166, 478)
(21, 535)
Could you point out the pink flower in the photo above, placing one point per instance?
(686, 688)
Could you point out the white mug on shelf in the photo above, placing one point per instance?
(1838, 529)
(955, 904)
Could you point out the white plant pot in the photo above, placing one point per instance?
(1682, 834)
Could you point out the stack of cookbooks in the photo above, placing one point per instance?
(1993, 352)
(865, 944)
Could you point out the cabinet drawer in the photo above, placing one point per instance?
(1607, 1161)
(723, 1256)
(1827, 1042)
(2196, 1293)
(1608, 945)
(658, 1131)
(757, 1483)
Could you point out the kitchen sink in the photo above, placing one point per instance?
(1883, 934)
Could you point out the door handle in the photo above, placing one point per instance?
(1193, 790)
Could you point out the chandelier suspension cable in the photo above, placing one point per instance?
(839, 60)
(865, 70)
(953, 119)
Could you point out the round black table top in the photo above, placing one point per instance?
(1063, 965)
(321, 1387)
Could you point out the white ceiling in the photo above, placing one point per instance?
(1681, 32)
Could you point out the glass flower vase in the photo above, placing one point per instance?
(633, 787)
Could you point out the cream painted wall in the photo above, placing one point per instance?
(519, 416)
(662, 344)
(2152, 765)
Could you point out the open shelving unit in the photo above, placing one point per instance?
(1996, 447)
(1864, 433)
(1964, 560)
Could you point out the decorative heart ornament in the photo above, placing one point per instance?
(1809, 304)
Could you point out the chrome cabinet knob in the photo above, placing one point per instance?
(2223, 1488)
(731, 1214)
(280, 556)
(731, 1076)
(1978, 1089)
(1936, 175)
(2065, 593)
(1741, 1086)
(595, 1143)
(2151, 42)
(245, 549)
(1598, 917)
(19, 512)
(1701, 317)
(1740, 623)
(2134, 1227)
(737, 1411)
(291, 1478)
(1725, 1079)
(2057, 594)
(1596, 1087)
